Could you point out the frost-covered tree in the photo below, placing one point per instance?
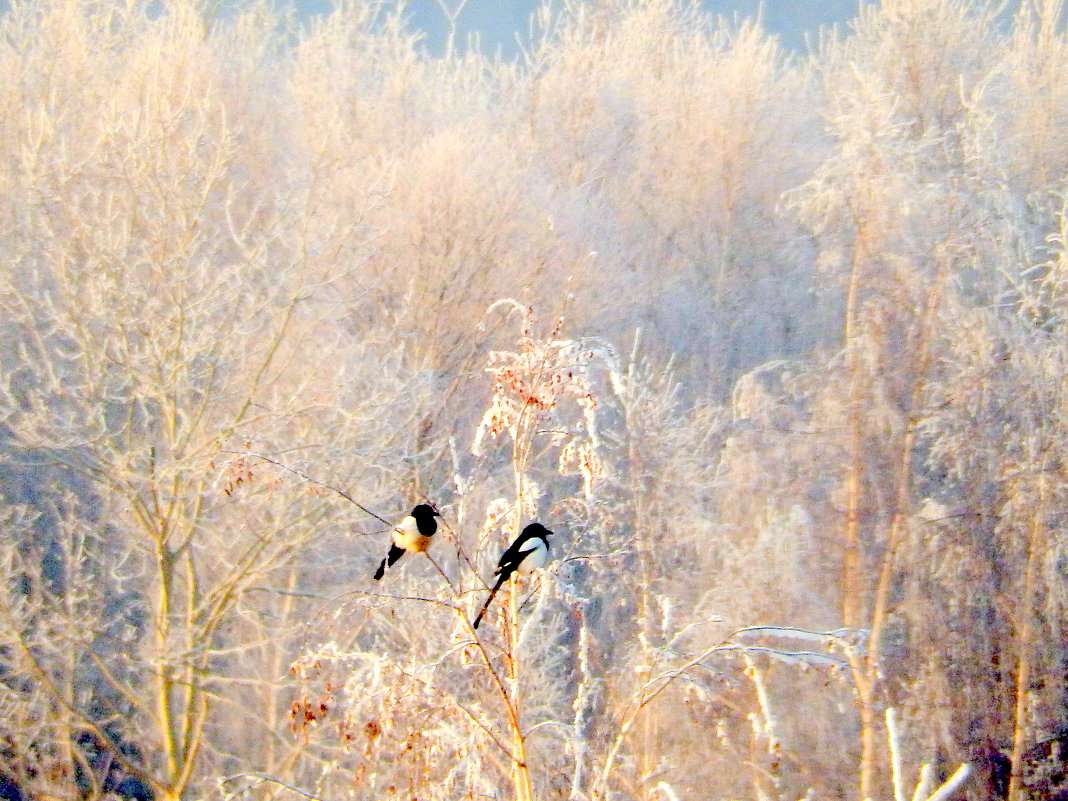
(160, 305)
(798, 432)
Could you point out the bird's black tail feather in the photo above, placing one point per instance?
(394, 554)
(489, 600)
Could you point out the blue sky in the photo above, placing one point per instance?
(497, 21)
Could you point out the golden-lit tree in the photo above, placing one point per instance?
(798, 430)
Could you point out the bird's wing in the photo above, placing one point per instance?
(512, 553)
(515, 560)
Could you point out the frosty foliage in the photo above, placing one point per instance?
(773, 342)
(546, 386)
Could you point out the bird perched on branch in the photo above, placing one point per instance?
(413, 534)
(528, 552)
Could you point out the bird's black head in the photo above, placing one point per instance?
(536, 530)
(425, 511)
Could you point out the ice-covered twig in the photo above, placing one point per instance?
(960, 775)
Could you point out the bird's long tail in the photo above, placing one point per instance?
(489, 600)
(394, 554)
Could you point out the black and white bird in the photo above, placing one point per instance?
(528, 552)
(413, 533)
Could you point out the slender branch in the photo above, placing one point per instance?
(101, 735)
(310, 480)
(463, 708)
(945, 792)
(264, 778)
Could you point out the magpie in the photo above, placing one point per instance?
(413, 533)
(529, 551)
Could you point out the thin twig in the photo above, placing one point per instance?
(263, 777)
(309, 479)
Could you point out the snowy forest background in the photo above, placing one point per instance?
(775, 344)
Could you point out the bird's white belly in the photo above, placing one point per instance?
(535, 560)
(410, 539)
